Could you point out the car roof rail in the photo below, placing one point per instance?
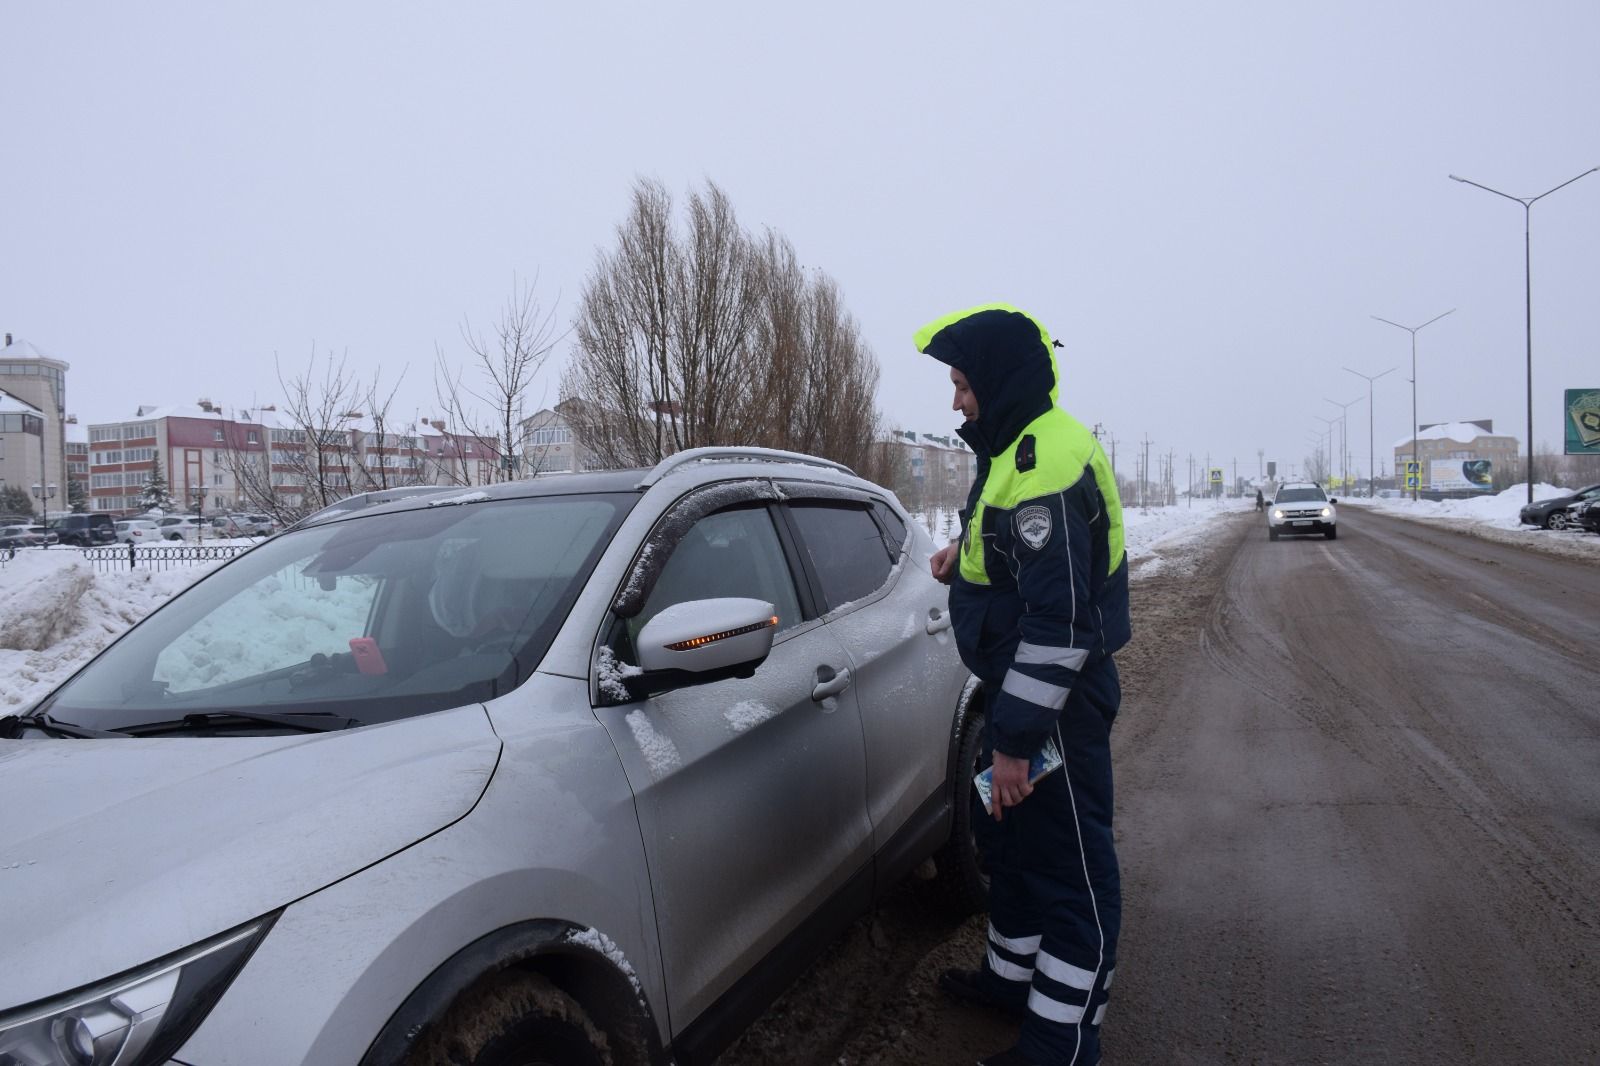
(762, 455)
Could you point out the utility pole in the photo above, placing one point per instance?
(1191, 481)
(1146, 476)
(1236, 475)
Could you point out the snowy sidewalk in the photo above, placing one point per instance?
(1491, 518)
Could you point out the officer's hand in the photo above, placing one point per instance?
(1010, 783)
(943, 562)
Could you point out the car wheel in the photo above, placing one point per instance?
(1332, 534)
(512, 1018)
(1272, 534)
(1557, 520)
(960, 880)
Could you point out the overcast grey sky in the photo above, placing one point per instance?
(1204, 202)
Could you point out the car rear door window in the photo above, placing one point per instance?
(846, 548)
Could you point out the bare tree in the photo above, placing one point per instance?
(506, 364)
(713, 337)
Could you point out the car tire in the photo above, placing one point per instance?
(960, 881)
(512, 1018)
(1272, 534)
(1331, 534)
(1557, 521)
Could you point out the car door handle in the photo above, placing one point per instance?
(830, 683)
(938, 621)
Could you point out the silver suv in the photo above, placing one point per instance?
(1302, 507)
(580, 770)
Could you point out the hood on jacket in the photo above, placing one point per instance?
(1006, 356)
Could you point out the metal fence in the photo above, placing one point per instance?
(142, 557)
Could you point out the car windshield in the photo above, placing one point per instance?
(1300, 496)
(373, 618)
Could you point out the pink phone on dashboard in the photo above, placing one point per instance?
(369, 660)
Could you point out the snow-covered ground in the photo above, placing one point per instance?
(1492, 517)
(57, 611)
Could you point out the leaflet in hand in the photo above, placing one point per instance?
(1047, 759)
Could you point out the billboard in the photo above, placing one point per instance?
(1456, 475)
(1582, 421)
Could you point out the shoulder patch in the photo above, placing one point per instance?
(1027, 457)
(1034, 526)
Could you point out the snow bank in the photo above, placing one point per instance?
(1157, 532)
(1499, 509)
(56, 613)
(1492, 517)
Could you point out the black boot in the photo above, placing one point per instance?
(968, 987)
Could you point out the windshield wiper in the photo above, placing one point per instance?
(46, 724)
(305, 721)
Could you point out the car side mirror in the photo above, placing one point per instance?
(1332, 500)
(704, 640)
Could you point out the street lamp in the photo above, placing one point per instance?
(1372, 469)
(44, 494)
(1413, 331)
(1344, 437)
(1527, 203)
(1328, 451)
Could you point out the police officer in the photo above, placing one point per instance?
(1039, 601)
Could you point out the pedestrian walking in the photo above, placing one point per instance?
(1039, 602)
(1261, 502)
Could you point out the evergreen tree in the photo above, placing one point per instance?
(77, 497)
(156, 494)
(14, 500)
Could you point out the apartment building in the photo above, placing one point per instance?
(32, 441)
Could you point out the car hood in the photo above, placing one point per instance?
(115, 852)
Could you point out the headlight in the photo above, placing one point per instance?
(1327, 512)
(1277, 514)
(136, 1019)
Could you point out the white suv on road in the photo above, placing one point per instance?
(1302, 507)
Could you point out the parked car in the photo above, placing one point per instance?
(494, 776)
(85, 530)
(137, 531)
(1587, 515)
(20, 537)
(1555, 512)
(47, 536)
(1302, 507)
(181, 527)
(230, 526)
(260, 524)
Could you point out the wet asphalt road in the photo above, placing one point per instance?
(1359, 810)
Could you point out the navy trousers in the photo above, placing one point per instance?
(1055, 896)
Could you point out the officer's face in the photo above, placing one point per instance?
(965, 401)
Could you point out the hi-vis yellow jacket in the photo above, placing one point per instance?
(1041, 594)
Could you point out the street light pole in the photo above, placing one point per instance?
(1413, 331)
(1372, 469)
(1344, 437)
(1327, 452)
(1527, 203)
